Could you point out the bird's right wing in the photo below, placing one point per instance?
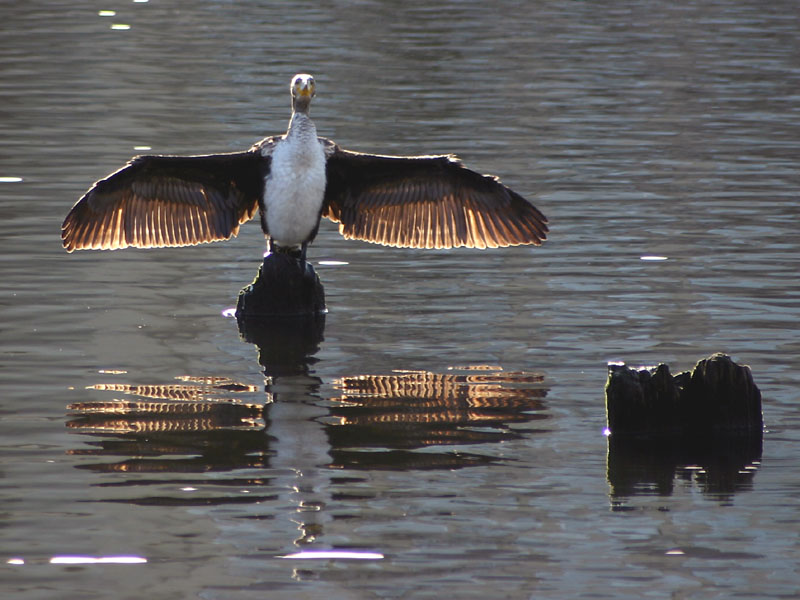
(157, 201)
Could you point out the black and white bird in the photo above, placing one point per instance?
(292, 181)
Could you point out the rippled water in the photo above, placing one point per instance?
(445, 435)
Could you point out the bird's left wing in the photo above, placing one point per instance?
(425, 202)
(157, 201)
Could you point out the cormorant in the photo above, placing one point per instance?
(292, 181)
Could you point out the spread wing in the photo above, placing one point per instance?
(156, 201)
(425, 202)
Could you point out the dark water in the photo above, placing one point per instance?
(138, 427)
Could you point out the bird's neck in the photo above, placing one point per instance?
(301, 104)
(301, 126)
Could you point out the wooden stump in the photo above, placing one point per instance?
(283, 313)
(708, 419)
(284, 286)
(723, 397)
(716, 397)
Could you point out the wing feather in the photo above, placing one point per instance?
(425, 202)
(157, 201)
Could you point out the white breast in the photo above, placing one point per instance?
(295, 188)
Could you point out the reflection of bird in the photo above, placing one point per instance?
(293, 180)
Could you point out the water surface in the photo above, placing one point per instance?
(447, 429)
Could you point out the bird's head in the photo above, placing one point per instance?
(303, 90)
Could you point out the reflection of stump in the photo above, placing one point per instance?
(284, 286)
(283, 313)
(285, 344)
(717, 397)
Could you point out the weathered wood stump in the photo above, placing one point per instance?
(284, 286)
(718, 397)
(707, 420)
(283, 313)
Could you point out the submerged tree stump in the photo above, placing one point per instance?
(709, 418)
(718, 397)
(284, 286)
(283, 313)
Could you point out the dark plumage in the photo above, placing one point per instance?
(157, 201)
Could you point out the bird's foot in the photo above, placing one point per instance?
(296, 252)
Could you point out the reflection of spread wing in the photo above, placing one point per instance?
(157, 201)
(425, 202)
